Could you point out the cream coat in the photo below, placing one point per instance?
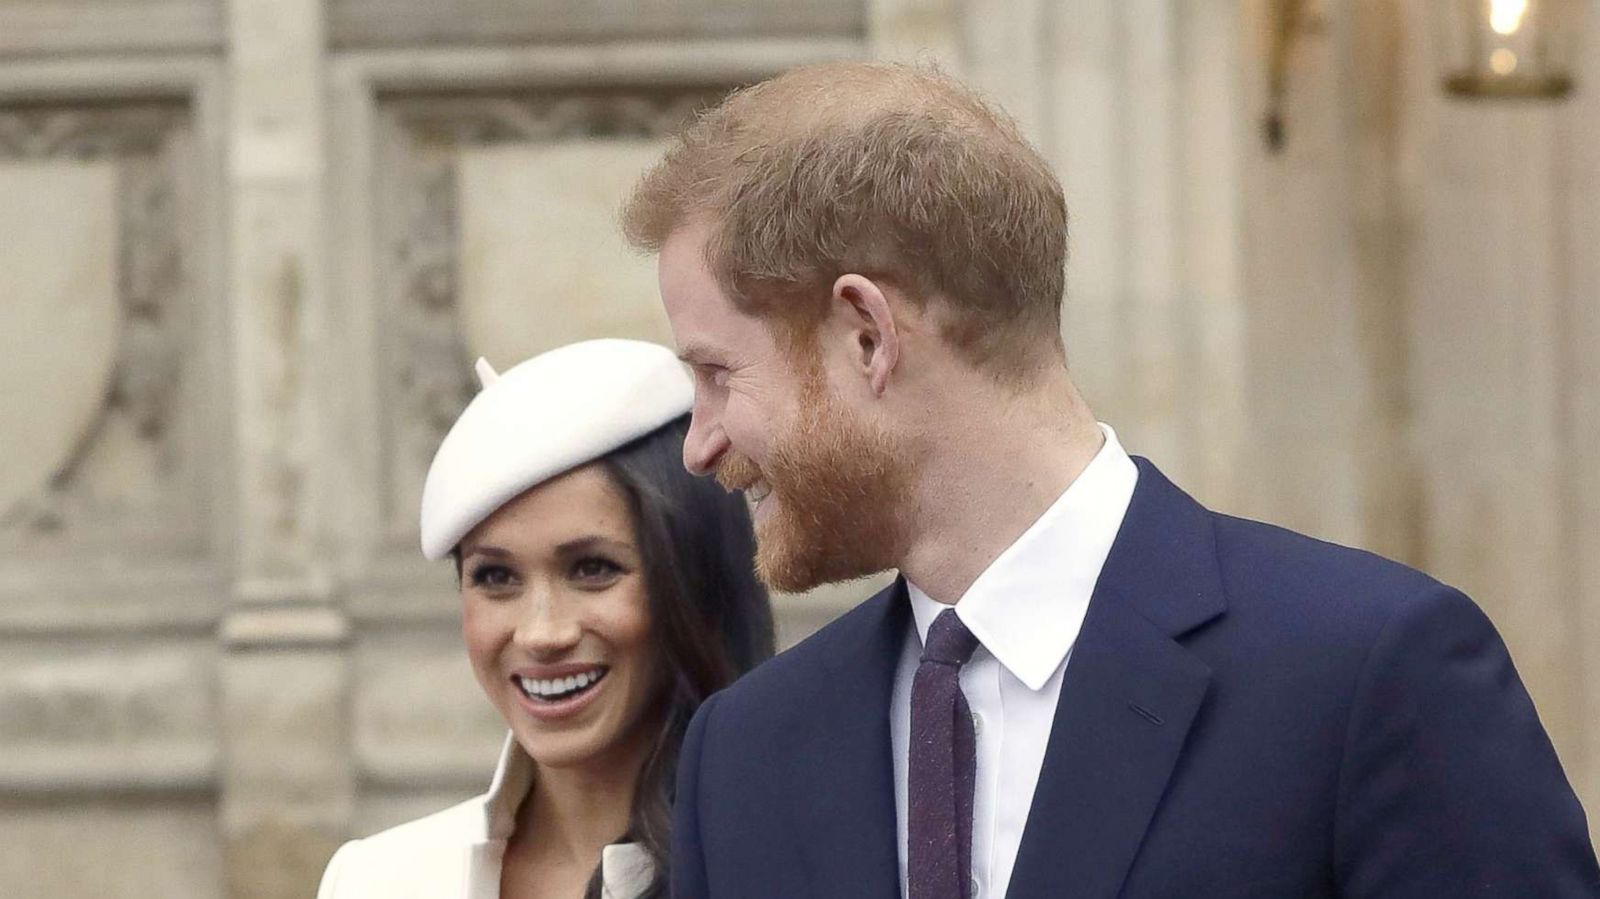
(457, 852)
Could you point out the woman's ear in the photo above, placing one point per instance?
(869, 326)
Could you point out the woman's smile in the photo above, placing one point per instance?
(551, 698)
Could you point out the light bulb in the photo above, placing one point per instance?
(1505, 16)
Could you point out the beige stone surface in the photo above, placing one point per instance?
(105, 697)
(417, 711)
(111, 848)
(287, 779)
(389, 22)
(542, 262)
(1491, 380)
(59, 313)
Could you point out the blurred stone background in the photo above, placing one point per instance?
(248, 249)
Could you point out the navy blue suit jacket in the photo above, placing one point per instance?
(1247, 712)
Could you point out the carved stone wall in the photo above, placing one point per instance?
(251, 248)
(115, 450)
(132, 477)
(422, 141)
(109, 511)
(220, 653)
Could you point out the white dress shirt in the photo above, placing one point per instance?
(1026, 609)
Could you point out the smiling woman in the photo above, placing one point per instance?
(605, 593)
(557, 621)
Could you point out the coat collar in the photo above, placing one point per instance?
(625, 868)
(513, 777)
(1027, 606)
(1128, 698)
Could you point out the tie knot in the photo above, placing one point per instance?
(949, 641)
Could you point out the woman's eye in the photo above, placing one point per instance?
(595, 568)
(491, 576)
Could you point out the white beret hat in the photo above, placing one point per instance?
(541, 418)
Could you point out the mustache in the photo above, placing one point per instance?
(737, 473)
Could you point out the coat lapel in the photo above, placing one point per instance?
(844, 822)
(1128, 698)
(496, 819)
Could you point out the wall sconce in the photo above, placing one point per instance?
(1510, 48)
(1286, 20)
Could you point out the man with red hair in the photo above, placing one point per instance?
(1083, 683)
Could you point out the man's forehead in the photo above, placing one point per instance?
(688, 288)
(707, 326)
(703, 324)
(729, 339)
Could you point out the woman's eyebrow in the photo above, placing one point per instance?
(591, 543)
(493, 552)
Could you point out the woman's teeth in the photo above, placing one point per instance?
(560, 687)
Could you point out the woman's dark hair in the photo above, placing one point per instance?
(710, 616)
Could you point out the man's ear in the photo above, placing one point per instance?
(869, 326)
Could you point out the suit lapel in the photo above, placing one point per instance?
(1128, 698)
(845, 811)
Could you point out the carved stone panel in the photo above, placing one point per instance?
(59, 326)
(438, 152)
(542, 261)
(132, 480)
(90, 715)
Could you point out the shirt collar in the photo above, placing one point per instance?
(625, 868)
(1027, 607)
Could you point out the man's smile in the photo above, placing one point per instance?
(758, 491)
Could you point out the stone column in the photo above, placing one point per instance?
(1141, 120)
(286, 783)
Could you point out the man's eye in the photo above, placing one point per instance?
(491, 576)
(595, 568)
(715, 374)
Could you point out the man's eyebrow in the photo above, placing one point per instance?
(698, 354)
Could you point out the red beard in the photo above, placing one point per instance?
(838, 490)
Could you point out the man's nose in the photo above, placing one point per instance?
(704, 444)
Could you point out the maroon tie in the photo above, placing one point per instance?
(943, 767)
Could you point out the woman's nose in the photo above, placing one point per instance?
(547, 626)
